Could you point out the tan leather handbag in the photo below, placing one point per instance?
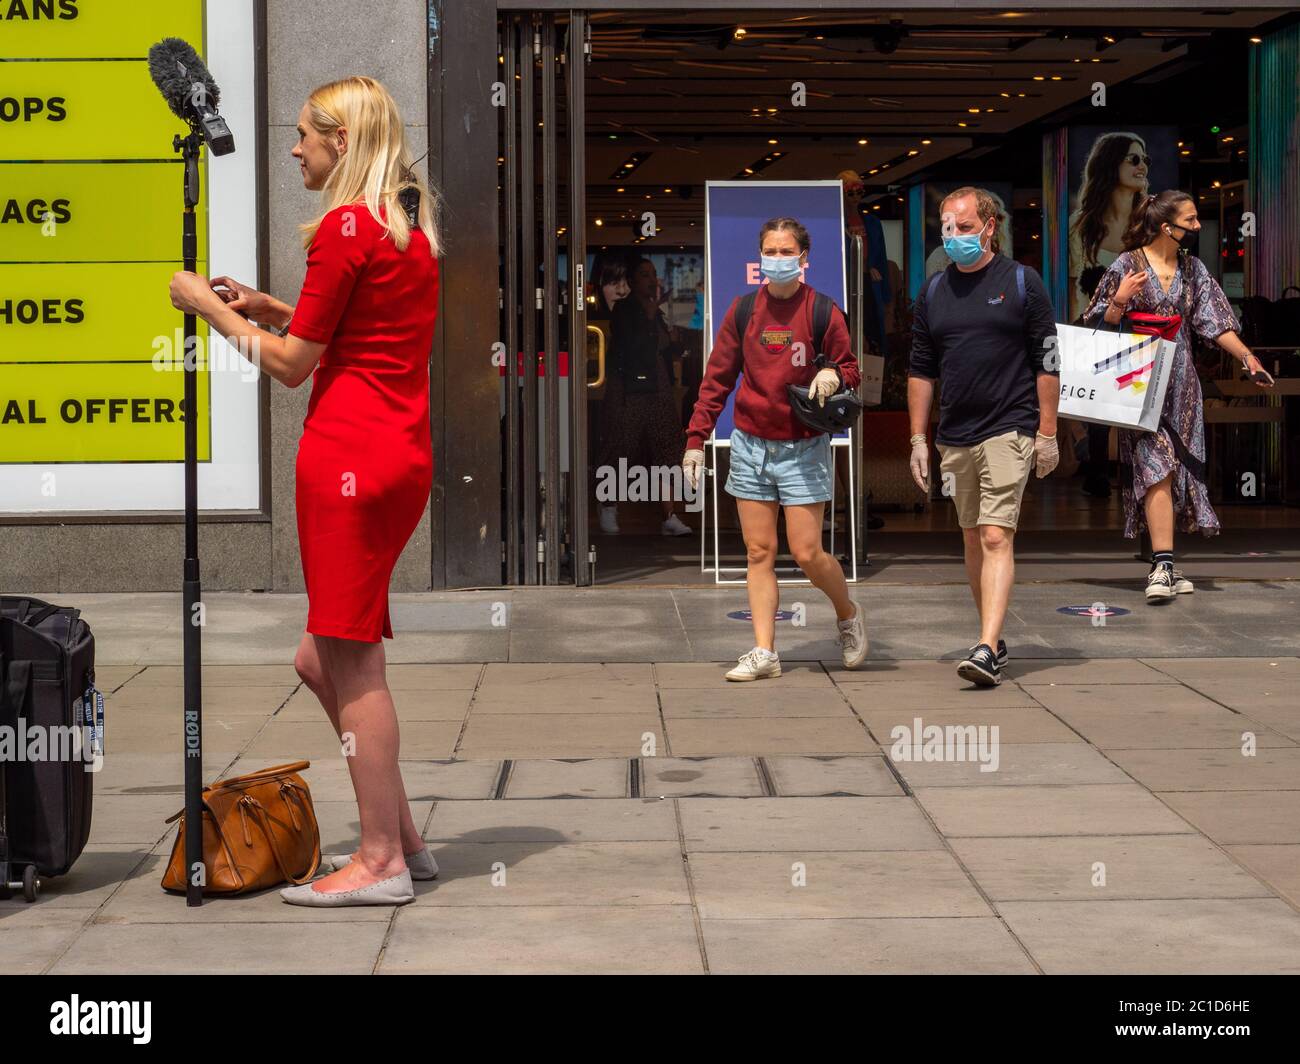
(259, 830)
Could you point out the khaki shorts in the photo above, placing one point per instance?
(987, 480)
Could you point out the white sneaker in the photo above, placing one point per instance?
(609, 520)
(674, 526)
(756, 664)
(1160, 584)
(1182, 586)
(853, 639)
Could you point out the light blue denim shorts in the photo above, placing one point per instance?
(791, 472)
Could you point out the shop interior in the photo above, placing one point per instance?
(933, 99)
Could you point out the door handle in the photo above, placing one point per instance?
(600, 356)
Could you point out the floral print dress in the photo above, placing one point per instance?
(1177, 446)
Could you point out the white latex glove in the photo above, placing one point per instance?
(692, 465)
(827, 382)
(1046, 454)
(920, 463)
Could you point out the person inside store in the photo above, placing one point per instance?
(1114, 182)
(362, 330)
(777, 462)
(639, 414)
(985, 328)
(1163, 478)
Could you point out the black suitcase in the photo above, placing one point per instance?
(51, 709)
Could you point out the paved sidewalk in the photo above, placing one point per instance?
(645, 816)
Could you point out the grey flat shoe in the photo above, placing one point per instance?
(395, 890)
(421, 864)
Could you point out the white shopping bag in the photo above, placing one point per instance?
(872, 368)
(1113, 378)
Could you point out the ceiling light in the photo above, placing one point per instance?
(600, 221)
(739, 33)
(926, 141)
(1257, 40)
(863, 140)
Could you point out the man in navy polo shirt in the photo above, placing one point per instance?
(985, 328)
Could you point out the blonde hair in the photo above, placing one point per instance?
(377, 163)
(986, 206)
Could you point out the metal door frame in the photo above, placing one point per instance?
(535, 541)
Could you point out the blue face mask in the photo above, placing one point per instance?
(780, 268)
(964, 249)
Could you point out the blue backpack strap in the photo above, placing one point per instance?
(1020, 283)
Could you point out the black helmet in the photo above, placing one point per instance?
(840, 412)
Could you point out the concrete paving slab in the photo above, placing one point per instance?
(1153, 717)
(1243, 935)
(340, 826)
(718, 736)
(815, 777)
(597, 777)
(1240, 817)
(32, 950)
(1134, 866)
(161, 702)
(138, 819)
(157, 773)
(1212, 770)
(1227, 668)
(711, 777)
(420, 740)
(343, 944)
(1249, 693)
(410, 704)
(236, 675)
(424, 678)
(90, 881)
(540, 735)
(1109, 671)
(554, 821)
(550, 873)
(896, 670)
(1024, 724)
(1278, 866)
(140, 900)
(711, 675)
(1008, 765)
(329, 780)
(762, 825)
(580, 939)
(1106, 809)
(583, 674)
(755, 699)
(909, 695)
(906, 946)
(571, 643)
(799, 885)
(566, 698)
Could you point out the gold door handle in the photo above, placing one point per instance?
(600, 356)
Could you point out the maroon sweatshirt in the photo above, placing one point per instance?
(767, 359)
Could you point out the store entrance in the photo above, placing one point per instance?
(1020, 103)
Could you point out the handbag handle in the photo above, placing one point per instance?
(260, 816)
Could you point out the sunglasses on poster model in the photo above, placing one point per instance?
(1133, 159)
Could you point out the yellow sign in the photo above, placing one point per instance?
(89, 212)
(93, 29)
(87, 311)
(90, 220)
(97, 412)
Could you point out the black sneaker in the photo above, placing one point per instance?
(1002, 655)
(981, 668)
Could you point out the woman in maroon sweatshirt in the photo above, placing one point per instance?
(776, 460)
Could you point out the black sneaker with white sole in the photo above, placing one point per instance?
(981, 668)
(1002, 656)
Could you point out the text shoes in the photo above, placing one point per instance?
(395, 890)
(420, 864)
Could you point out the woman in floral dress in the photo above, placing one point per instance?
(1157, 273)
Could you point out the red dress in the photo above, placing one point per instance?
(365, 460)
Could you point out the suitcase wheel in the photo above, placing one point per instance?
(31, 885)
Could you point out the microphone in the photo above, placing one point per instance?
(190, 92)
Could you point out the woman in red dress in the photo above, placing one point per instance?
(364, 323)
